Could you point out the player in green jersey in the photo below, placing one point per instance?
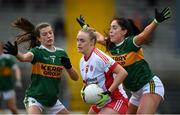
(47, 62)
(8, 69)
(124, 43)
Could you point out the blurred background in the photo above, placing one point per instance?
(163, 54)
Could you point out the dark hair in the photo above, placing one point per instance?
(125, 24)
(29, 32)
(91, 33)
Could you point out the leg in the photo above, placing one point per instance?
(132, 109)
(11, 104)
(63, 111)
(32, 106)
(91, 111)
(33, 109)
(149, 103)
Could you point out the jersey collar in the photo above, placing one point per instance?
(43, 47)
(86, 58)
(120, 43)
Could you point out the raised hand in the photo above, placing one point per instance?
(10, 48)
(81, 22)
(163, 15)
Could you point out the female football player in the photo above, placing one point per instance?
(47, 62)
(98, 68)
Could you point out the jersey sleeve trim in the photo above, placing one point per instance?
(101, 55)
(135, 43)
(112, 68)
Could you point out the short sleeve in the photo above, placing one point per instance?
(131, 45)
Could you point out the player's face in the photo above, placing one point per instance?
(116, 33)
(46, 36)
(84, 44)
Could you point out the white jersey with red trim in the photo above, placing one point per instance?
(98, 69)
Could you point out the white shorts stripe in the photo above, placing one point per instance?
(118, 105)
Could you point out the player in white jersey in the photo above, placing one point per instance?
(97, 67)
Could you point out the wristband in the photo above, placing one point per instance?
(155, 21)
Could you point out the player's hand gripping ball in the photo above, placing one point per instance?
(91, 94)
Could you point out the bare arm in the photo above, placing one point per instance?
(159, 17)
(27, 57)
(12, 49)
(73, 74)
(121, 74)
(145, 36)
(100, 38)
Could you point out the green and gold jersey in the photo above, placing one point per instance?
(46, 74)
(131, 57)
(6, 64)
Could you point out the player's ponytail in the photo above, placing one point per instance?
(27, 33)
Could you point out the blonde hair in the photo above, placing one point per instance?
(91, 33)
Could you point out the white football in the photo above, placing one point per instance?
(91, 93)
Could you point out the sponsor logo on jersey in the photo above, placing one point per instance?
(47, 70)
(129, 58)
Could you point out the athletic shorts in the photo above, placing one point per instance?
(120, 106)
(154, 86)
(29, 101)
(6, 95)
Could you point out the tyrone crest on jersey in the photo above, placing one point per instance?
(89, 67)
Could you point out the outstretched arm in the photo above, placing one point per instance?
(27, 57)
(11, 49)
(144, 36)
(100, 37)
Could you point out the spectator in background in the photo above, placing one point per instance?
(8, 69)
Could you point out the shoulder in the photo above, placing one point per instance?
(60, 49)
(129, 39)
(130, 44)
(101, 56)
(35, 48)
(100, 53)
